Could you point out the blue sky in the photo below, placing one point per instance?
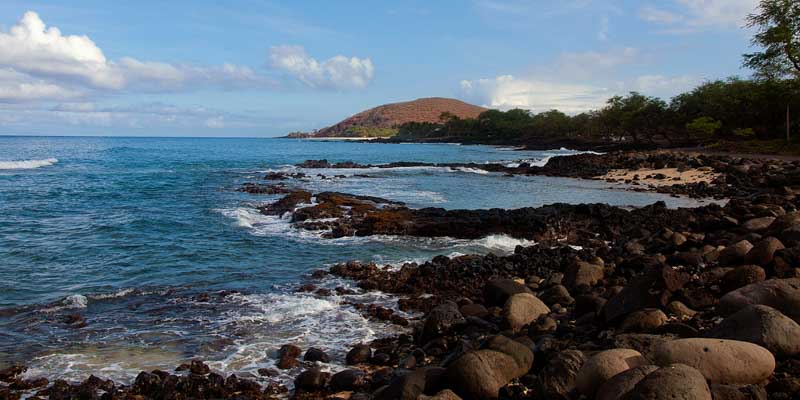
(260, 68)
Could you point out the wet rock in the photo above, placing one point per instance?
(780, 294)
(497, 292)
(764, 326)
(522, 309)
(359, 354)
(314, 354)
(646, 320)
(735, 254)
(287, 203)
(441, 319)
(287, 356)
(604, 365)
(763, 252)
(558, 378)
(312, 380)
(618, 386)
(719, 360)
(8, 374)
(349, 379)
(676, 381)
(742, 276)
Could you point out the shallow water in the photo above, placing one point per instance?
(128, 232)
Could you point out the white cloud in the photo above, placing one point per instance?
(48, 64)
(652, 14)
(16, 87)
(660, 85)
(590, 63)
(692, 15)
(338, 72)
(506, 92)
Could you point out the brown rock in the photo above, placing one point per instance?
(645, 320)
(719, 360)
(672, 382)
(764, 326)
(763, 252)
(521, 309)
(604, 365)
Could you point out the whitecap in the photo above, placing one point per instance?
(28, 164)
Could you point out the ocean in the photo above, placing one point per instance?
(126, 254)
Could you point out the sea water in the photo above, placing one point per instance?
(148, 241)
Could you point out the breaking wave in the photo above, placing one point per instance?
(27, 164)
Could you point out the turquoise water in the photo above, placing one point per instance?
(129, 232)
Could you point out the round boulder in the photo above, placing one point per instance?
(620, 384)
(497, 292)
(780, 294)
(645, 320)
(763, 252)
(764, 326)
(672, 382)
(722, 361)
(521, 309)
(742, 276)
(604, 365)
(734, 254)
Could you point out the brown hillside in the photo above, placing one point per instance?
(392, 115)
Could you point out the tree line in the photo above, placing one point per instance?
(757, 108)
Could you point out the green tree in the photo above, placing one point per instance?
(777, 24)
(703, 128)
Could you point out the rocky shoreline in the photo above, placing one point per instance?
(649, 303)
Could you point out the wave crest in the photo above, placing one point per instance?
(28, 164)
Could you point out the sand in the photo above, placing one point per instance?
(652, 177)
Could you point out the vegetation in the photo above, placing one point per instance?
(732, 109)
(370, 132)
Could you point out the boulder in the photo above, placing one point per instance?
(742, 276)
(763, 252)
(780, 294)
(620, 384)
(734, 254)
(359, 354)
(446, 394)
(557, 294)
(721, 361)
(583, 273)
(497, 292)
(406, 385)
(760, 224)
(474, 310)
(604, 365)
(652, 289)
(764, 326)
(671, 382)
(349, 379)
(730, 392)
(645, 320)
(441, 319)
(521, 309)
(312, 380)
(481, 373)
(314, 354)
(558, 379)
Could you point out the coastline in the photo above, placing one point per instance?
(690, 256)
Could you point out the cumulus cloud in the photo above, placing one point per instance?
(573, 83)
(338, 72)
(17, 87)
(692, 15)
(48, 64)
(506, 92)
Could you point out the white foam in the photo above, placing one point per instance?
(472, 170)
(504, 243)
(28, 164)
(69, 302)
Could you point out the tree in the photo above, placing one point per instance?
(703, 128)
(777, 25)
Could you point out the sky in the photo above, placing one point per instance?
(262, 68)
